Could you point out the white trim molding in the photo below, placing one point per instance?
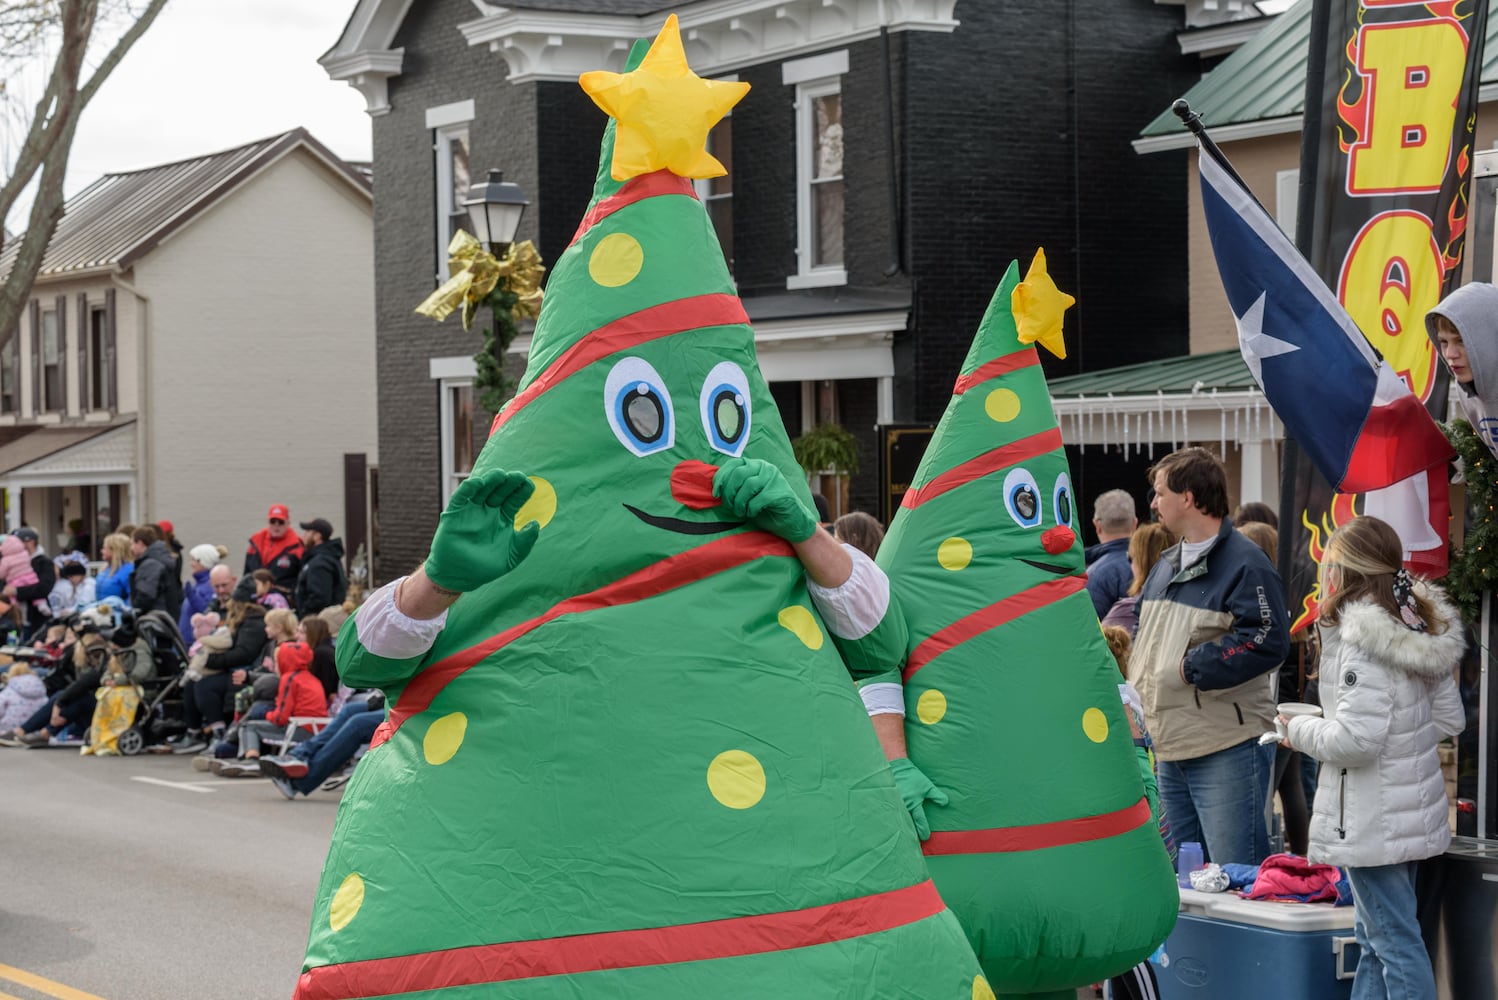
(458, 366)
(456, 113)
(719, 35)
(369, 73)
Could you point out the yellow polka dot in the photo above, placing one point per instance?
(981, 989)
(616, 260)
(954, 554)
(444, 737)
(541, 507)
(1095, 725)
(346, 902)
(736, 779)
(802, 625)
(1002, 405)
(931, 706)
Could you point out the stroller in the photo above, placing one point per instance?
(160, 714)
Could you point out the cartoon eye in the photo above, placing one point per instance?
(639, 407)
(1063, 500)
(725, 408)
(1022, 498)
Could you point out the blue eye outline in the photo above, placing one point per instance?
(633, 393)
(726, 383)
(1021, 491)
(1062, 500)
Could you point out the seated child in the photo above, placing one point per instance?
(22, 695)
(300, 694)
(74, 588)
(1464, 328)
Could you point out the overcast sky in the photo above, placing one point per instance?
(214, 74)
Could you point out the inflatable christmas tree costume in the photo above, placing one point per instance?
(632, 766)
(1045, 850)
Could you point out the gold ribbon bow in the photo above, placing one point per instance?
(474, 272)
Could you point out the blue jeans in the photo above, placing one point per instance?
(1218, 801)
(355, 732)
(1394, 964)
(307, 749)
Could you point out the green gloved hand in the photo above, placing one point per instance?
(757, 491)
(916, 790)
(476, 541)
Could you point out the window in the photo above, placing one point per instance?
(51, 388)
(458, 451)
(100, 374)
(10, 364)
(717, 192)
(1286, 198)
(449, 124)
(819, 169)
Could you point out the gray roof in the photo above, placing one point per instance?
(1223, 370)
(625, 7)
(121, 217)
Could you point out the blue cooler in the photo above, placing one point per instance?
(1228, 948)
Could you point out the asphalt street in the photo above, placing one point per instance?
(142, 879)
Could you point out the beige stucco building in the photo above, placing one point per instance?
(198, 345)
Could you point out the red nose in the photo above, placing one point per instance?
(692, 484)
(1057, 540)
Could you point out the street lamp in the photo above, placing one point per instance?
(495, 207)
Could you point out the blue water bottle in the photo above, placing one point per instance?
(1188, 859)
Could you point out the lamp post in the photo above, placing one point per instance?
(494, 208)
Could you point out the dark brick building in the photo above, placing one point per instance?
(887, 164)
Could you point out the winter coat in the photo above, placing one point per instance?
(322, 582)
(66, 596)
(22, 696)
(155, 585)
(1222, 623)
(325, 667)
(34, 595)
(1109, 573)
(196, 597)
(300, 692)
(249, 640)
(114, 583)
(282, 557)
(1389, 698)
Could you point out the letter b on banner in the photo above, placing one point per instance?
(1414, 73)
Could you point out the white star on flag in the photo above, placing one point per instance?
(1255, 344)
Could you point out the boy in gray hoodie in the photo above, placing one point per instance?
(1464, 328)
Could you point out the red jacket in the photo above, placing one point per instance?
(282, 557)
(300, 692)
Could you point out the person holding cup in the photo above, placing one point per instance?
(1390, 648)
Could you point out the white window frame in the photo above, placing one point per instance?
(449, 374)
(813, 77)
(447, 122)
(1286, 199)
(704, 185)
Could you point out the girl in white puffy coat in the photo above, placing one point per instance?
(1390, 648)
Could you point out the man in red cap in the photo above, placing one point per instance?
(276, 548)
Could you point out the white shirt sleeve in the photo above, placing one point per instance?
(384, 630)
(853, 609)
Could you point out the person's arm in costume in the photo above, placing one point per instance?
(853, 595)
(387, 639)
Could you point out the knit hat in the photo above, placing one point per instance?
(205, 554)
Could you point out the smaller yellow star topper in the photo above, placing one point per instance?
(663, 111)
(1038, 305)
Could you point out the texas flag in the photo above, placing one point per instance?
(1356, 420)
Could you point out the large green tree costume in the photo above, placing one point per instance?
(632, 765)
(1045, 850)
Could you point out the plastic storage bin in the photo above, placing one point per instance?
(1227, 948)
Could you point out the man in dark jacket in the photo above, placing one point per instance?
(277, 548)
(154, 586)
(1109, 572)
(46, 577)
(322, 582)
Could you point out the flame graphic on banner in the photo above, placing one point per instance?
(1456, 214)
(1343, 509)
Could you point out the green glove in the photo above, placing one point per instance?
(476, 541)
(916, 790)
(757, 491)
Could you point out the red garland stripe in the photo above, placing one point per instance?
(993, 369)
(638, 189)
(657, 578)
(1012, 453)
(712, 939)
(1039, 835)
(991, 617)
(650, 323)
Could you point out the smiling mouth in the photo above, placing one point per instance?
(1048, 567)
(680, 526)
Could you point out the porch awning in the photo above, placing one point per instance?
(87, 450)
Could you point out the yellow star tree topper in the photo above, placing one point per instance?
(1038, 306)
(664, 111)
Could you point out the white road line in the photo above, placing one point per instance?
(179, 785)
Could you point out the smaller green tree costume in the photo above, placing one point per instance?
(1045, 850)
(631, 766)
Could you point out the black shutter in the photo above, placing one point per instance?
(36, 356)
(62, 355)
(107, 394)
(85, 332)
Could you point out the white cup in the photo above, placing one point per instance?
(1290, 709)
